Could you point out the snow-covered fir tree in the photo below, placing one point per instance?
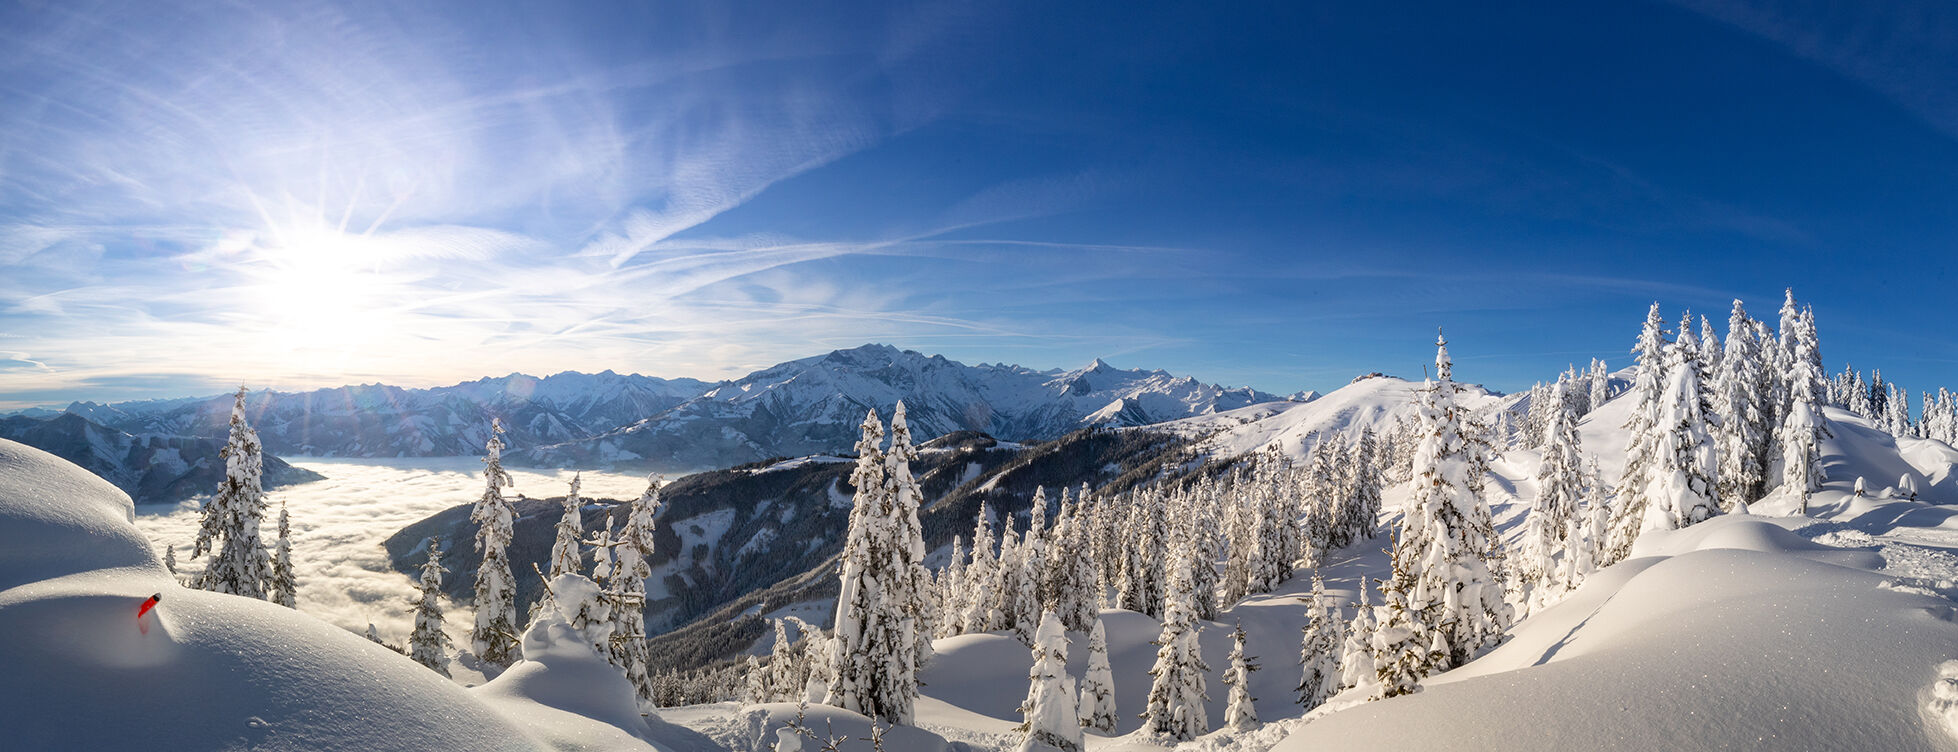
(494, 640)
(1198, 531)
(284, 587)
(1560, 490)
(1175, 707)
(1051, 720)
(982, 578)
(1680, 488)
(1801, 433)
(874, 652)
(1147, 533)
(1034, 548)
(429, 645)
(1362, 513)
(950, 618)
(1644, 436)
(625, 590)
(1240, 714)
(1357, 667)
(1015, 595)
(170, 558)
(1098, 684)
(1742, 436)
(1071, 569)
(1320, 647)
(1443, 604)
(1600, 384)
(754, 684)
(229, 529)
(565, 555)
(914, 579)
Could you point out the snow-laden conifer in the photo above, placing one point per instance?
(1241, 712)
(1175, 706)
(1443, 604)
(170, 558)
(565, 556)
(1600, 384)
(874, 652)
(1015, 595)
(429, 645)
(1362, 512)
(1801, 433)
(1560, 489)
(1644, 431)
(229, 529)
(1680, 489)
(1051, 720)
(950, 617)
(1357, 667)
(1071, 567)
(1742, 428)
(1098, 684)
(494, 640)
(1320, 647)
(912, 579)
(626, 590)
(284, 587)
(982, 578)
(754, 683)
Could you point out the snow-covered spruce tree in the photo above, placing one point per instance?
(1241, 714)
(1710, 352)
(1783, 358)
(1034, 547)
(1015, 597)
(1737, 400)
(950, 617)
(754, 685)
(982, 578)
(1071, 565)
(229, 530)
(565, 555)
(1362, 512)
(1199, 534)
(625, 590)
(1599, 383)
(284, 587)
(1326, 490)
(913, 578)
(1357, 667)
(1051, 720)
(1560, 490)
(874, 653)
(785, 674)
(1801, 433)
(1443, 604)
(1246, 534)
(170, 558)
(1175, 706)
(1098, 684)
(494, 639)
(1146, 544)
(429, 645)
(1680, 489)
(1319, 647)
(1643, 427)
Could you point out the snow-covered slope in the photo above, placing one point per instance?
(814, 405)
(1377, 402)
(377, 420)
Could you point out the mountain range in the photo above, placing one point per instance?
(802, 407)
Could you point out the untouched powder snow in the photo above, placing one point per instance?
(1738, 635)
(210, 671)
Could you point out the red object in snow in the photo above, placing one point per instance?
(148, 604)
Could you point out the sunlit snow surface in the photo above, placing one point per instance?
(338, 525)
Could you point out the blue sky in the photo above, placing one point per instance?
(1278, 195)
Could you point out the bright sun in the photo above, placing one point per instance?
(321, 290)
